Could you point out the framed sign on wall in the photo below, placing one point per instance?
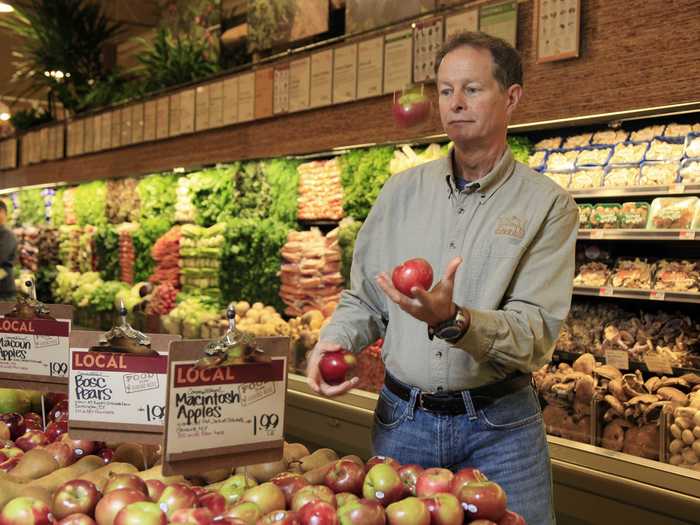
(558, 29)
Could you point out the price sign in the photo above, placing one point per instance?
(123, 393)
(34, 352)
(657, 295)
(597, 234)
(686, 235)
(224, 416)
(617, 358)
(605, 291)
(658, 364)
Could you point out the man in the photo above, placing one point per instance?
(458, 389)
(8, 247)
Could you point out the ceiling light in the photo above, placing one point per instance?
(4, 116)
(6, 8)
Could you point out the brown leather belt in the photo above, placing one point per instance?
(452, 403)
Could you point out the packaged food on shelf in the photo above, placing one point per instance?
(690, 171)
(537, 160)
(632, 274)
(672, 212)
(621, 176)
(560, 177)
(684, 432)
(658, 173)
(648, 133)
(634, 215)
(677, 276)
(587, 178)
(593, 273)
(609, 137)
(665, 148)
(561, 160)
(677, 130)
(584, 215)
(320, 191)
(577, 141)
(692, 146)
(593, 156)
(629, 153)
(606, 216)
(550, 143)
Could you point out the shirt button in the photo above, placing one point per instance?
(438, 354)
(452, 245)
(460, 211)
(439, 389)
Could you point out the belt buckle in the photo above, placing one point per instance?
(420, 401)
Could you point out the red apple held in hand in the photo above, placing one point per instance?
(312, 493)
(345, 476)
(141, 513)
(56, 429)
(61, 452)
(409, 475)
(342, 498)
(26, 511)
(335, 366)
(125, 481)
(77, 519)
(31, 439)
(318, 513)
(445, 509)
(247, 512)
(32, 421)
(411, 109)
(383, 484)
(289, 483)
(176, 496)
(154, 488)
(433, 480)
(196, 516)
(414, 273)
(74, 497)
(409, 511)
(212, 501)
(280, 517)
(465, 476)
(483, 500)
(378, 460)
(110, 504)
(15, 422)
(511, 518)
(362, 512)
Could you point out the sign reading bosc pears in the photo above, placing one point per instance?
(34, 352)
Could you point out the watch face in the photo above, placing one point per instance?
(449, 332)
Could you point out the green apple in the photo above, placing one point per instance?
(13, 400)
(234, 487)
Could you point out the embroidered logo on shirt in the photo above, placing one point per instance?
(511, 226)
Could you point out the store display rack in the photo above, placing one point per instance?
(638, 235)
(634, 293)
(637, 191)
(562, 356)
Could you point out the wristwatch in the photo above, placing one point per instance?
(451, 330)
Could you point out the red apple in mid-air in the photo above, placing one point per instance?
(414, 273)
(61, 452)
(56, 429)
(345, 476)
(335, 366)
(511, 518)
(362, 512)
(213, 501)
(312, 493)
(409, 475)
(279, 517)
(409, 511)
(142, 513)
(267, 496)
(289, 483)
(383, 484)
(77, 519)
(26, 511)
(176, 496)
(483, 500)
(445, 509)
(74, 497)
(247, 512)
(377, 460)
(31, 439)
(110, 504)
(125, 481)
(433, 480)
(411, 109)
(465, 476)
(318, 513)
(192, 516)
(343, 498)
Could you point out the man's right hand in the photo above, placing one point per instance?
(313, 372)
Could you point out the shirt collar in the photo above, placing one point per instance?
(487, 184)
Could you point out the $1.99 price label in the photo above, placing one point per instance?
(225, 406)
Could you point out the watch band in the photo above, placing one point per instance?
(451, 330)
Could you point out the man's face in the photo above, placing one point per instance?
(474, 108)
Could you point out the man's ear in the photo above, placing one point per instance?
(514, 93)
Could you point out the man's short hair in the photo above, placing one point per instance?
(507, 64)
(3, 206)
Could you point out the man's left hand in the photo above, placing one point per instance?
(433, 307)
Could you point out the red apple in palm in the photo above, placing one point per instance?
(15, 422)
(32, 421)
(61, 452)
(511, 518)
(465, 476)
(409, 511)
(77, 519)
(411, 109)
(445, 509)
(125, 481)
(280, 517)
(26, 511)
(483, 500)
(75, 496)
(56, 429)
(345, 476)
(313, 493)
(196, 516)
(154, 488)
(213, 501)
(414, 273)
(335, 366)
(318, 513)
(409, 475)
(362, 512)
(433, 480)
(110, 504)
(377, 460)
(141, 513)
(343, 498)
(289, 483)
(31, 439)
(176, 496)
(247, 512)
(383, 484)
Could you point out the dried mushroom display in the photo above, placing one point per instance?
(692, 146)
(647, 133)
(632, 274)
(684, 447)
(578, 141)
(634, 215)
(592, 274)
(660, 149)
(584, 179)
(593, 156)
(536, 160)
(605, 216)
(677, 130)
(677, 276)
(690, 172)
(561, 160)
(673, 212)
(560, 178)
(551, 143)
(609, 137)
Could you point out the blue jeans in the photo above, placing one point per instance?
(505, 440)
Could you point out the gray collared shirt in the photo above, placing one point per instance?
(517, 236)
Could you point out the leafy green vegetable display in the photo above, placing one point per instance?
(31, 207)
(157, 195)
(253, 192)
(521, 147)
(283, 178)
(90, 202)
(251, 260)
(363, 174)
(107, 252)
(149, 231)
(347, 233)
(213, 194)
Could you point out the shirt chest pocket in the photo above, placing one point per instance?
(498, 247)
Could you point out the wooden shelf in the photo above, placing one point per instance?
(633, 293)
(639, 235)
(674, 190)
(561, 356)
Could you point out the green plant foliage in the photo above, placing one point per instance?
(270, 22)
(31, 208)
(253, 192)
(149, 231)
(283, 178)
(25, 119)
(521, 147)
(90, 203)
(106, 241)
(157, 196)
(213, 194)
(363, 174)
(58, 210)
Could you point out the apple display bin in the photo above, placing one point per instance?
(591, 484)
